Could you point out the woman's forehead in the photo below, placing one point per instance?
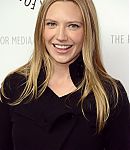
(67, 10)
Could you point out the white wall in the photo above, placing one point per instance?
(16, 34)
(17, 28)
(114, 26)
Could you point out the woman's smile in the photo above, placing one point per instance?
(62, 48)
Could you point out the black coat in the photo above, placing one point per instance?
(57, 123)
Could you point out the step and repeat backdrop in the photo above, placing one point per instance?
(18, 19)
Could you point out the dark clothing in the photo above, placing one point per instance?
(57, 123)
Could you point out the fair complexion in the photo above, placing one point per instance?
(63, 37)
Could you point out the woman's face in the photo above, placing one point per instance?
(63, 32)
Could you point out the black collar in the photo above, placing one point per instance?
(77, 70)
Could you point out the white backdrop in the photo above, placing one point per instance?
(17, 25)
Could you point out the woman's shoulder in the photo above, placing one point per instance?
(116, 94)
(118, 99)
(13, 80)
(14, 76)
(122, 96)
(12, 86)
(114, 88)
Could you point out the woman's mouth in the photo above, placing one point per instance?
(62, 47)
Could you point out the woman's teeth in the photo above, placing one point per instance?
(62, 46)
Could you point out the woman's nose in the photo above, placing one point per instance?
(61, 34)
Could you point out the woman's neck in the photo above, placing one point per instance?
(61, 71)
(60, 81)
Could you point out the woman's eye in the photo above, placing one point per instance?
(51, 24)
(73, 26)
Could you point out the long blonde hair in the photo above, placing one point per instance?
(93, 71)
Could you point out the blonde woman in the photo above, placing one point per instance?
(63, 98)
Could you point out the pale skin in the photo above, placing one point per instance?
(63, 37)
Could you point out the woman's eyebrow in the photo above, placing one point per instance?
(73, 21)
(50, 20)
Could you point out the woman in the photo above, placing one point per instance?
(63, 98)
